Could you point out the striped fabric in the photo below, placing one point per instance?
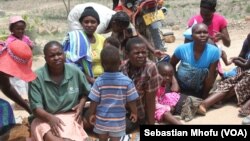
(6, 116)
(112, 91)
(77, 50)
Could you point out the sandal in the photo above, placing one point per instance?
(243, 112)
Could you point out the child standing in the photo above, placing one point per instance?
(17, 27)
(170, 102)
(109, 94)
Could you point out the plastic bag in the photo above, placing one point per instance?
(188, 33)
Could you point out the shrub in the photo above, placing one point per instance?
(248, 9)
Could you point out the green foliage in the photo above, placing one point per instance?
(32, 25)
(167, 5)
(234, 1)
(54, 14)
(3, 34)
(3, 37)
(248, 9)
(36, 50)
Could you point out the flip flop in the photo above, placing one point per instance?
(246, 120)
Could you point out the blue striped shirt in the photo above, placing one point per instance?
(112, 91)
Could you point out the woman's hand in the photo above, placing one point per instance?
(218, 36)
(159, 54)
(78, 110)
(229, 62)
(56, 125)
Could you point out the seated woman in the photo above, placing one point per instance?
(198, 61)
(217, 27)
(83, 47)
(57, 98)
(234, 86)
(145, 75)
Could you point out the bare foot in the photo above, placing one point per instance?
(202, 110)
(244, 111)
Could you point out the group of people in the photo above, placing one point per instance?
(124, 87)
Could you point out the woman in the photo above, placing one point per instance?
(57, 98)
(105, 15)
(217, 28)
(87, 44)
(15, 61)
(145, 75)
(198, 61)
(89, 21)
(217, 24)
(237, 85)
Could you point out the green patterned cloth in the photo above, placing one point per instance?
(7, 119)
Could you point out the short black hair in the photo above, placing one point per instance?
(50, 44)
(121, 18)
(209, 4)
(110, 58)
(113, 41)
(196, 25)
(162, 64)
(132, 41)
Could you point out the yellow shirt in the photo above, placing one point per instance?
(96, 51)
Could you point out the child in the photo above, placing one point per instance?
(17, 27)
(115, 42)
(224, 59)
(169, 101)
(112, 41)
(109, 94)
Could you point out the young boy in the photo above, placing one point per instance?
(110, 93)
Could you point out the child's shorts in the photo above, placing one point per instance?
(111, 134)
